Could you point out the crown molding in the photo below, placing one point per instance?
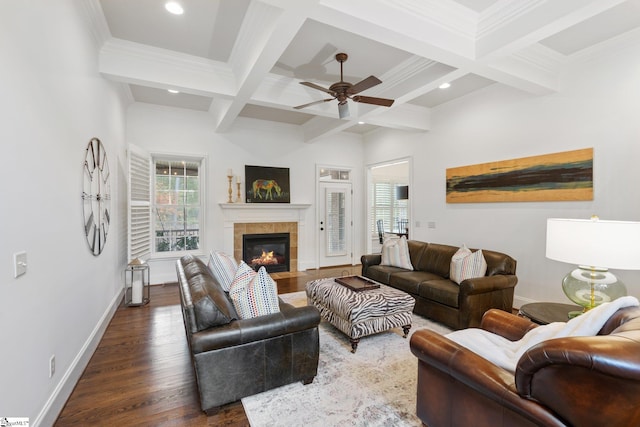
(503, 13)
(141, 64)
(96, 21)
(446, 14)
(607, 47)
(259, 20)
(165, 56)
(542, 58)
(404, 71)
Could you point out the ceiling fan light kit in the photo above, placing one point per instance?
(343, 91)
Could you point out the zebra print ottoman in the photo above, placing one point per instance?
(359, 314)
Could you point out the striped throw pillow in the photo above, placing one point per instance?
(223, 268)
(395, 252)
(467, 265)
(254, 294)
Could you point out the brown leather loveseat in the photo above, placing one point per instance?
(439, 298)
(572, 381)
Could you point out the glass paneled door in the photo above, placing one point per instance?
(335, 224)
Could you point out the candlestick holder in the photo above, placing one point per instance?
(230, 177)
(238, 198)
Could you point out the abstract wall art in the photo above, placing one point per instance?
(551, 177)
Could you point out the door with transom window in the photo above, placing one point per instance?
(335, 224)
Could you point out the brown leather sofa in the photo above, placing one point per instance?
(233, 358)
(574, 381)
(437, 297)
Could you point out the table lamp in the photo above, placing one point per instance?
(595, 246)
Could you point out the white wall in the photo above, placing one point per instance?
(249, 142)
(597, 107)
(53, 102)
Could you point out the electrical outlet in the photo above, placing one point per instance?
(52, 365)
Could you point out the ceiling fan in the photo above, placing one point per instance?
(343, 91)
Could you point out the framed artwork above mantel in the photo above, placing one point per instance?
(265, 184)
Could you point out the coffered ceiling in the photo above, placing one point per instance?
(235, 58)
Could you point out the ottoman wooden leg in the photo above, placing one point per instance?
(354, 344)
(405, 329)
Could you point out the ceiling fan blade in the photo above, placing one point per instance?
(318, 87)
(384, 102)
(363, 85)
(343, 110)
(313, 103)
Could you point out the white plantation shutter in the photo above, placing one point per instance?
(139, 203)
(385, 206)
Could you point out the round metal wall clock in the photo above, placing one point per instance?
(96, 196)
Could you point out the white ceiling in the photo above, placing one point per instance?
(246, 58)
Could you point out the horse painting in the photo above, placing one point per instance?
(267, 185)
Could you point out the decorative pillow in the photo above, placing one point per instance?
(210, 304)
(223, 267)
(254, 297)
(467, 265)
(395, 252)
(243, 276)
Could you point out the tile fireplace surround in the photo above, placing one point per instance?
(252, 218)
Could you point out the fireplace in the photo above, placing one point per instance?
(271, 250)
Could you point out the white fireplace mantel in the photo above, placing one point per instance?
(260, 212)
(263, 212)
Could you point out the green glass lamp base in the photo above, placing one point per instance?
(591, 286)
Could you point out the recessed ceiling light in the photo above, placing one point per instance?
(174, 7)
(173, 91)
(445, 85)
(360, 123)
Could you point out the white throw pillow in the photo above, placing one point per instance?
(395, 252)
(223, 267)
(254, 294)
(467, 265)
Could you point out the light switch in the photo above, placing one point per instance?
(19, 263)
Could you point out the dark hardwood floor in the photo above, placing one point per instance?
(141, 373)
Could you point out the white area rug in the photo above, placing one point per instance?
(376, 386)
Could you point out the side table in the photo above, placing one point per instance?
(547, 312)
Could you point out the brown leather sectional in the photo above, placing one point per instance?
(439, 298)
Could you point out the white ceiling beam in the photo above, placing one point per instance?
(398, 27)
(320, 127)
(404, 117)
(265, 34)
(427, 35)
(517, 25)
(135, 63)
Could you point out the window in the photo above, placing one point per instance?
(177, 205)
(332, 174)
(166, 203)
(385, 205)
(383, 197)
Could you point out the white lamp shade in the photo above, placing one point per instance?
(594, 242)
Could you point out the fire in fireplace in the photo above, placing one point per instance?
(270, 250)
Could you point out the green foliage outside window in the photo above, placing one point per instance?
(177, 206)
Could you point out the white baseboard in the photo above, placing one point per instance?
(57, 400)
(520, 301)
(306, 265)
